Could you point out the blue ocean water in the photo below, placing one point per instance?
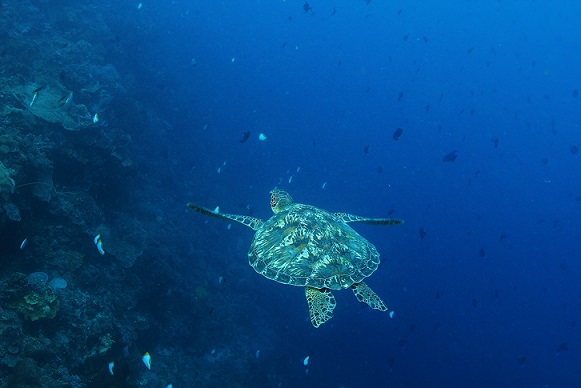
(482, 279)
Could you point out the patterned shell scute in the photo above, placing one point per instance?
(306, 246)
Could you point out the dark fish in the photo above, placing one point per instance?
(495, 294)
(425, 38)
(403, 343)
(366, 149)
(475, 303)
(428, 108)
(339, 63)
(495, 142)
(545, 161)
(412, 327)
(438, 294)
(368, 89)
(575, 93)
(397, 133)
(245, 136)
(38, 89)
(522, 361)
(422, 233)
(564, 346)
(574, 149)
(390, 211)
(578, 198)
(333, 12)
(307, 7)
(482, 252)
(451, 157)
(379, 169)
(469, 51)
(400, 96)
(283, 45)
(502, 238)
(405, 37)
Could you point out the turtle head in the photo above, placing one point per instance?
(279, 200)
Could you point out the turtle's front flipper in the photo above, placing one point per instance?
(251, 222)
(373, 221)
(367, 295)
(321, 305)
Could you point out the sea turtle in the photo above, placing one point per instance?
(305, 246)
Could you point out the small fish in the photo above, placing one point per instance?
(307, 7)
(100, 247)
(33, 98)
(96, 118)
(262, 137)
(23, 244)
(69, 98)
(306, 361)
(146, 360)
(99, 244)
(245, 137)
(451, 157)
(111, 365)
(397, 133)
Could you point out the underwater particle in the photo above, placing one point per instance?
(169, 386)
(220, 279)
(139, 5)
(391, 313)
(306, 361)
(262, 137)
(290, 179)
(574, 149)
(450, 157)
(146, 360)
(219, 169)
(23, 244)
(257, 353)
(111, 365)
(233, 59)
(397, 133)
(298, 169)
(324, 184)
(229, 226)
(96, 118)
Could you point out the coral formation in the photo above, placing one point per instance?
(33, 299)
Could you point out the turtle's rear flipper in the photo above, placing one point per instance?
(321, 305)
(367, 295)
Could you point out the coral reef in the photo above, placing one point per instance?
(32, 299)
